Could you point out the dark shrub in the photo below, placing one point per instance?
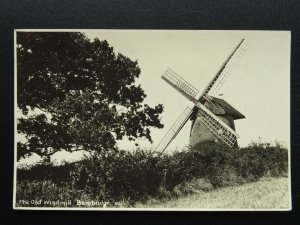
(46, 171)
(118, 175)
(257, 160)
(210, 160)
(43, 191)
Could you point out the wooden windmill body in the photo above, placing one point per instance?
(223, 110)
(212, 118)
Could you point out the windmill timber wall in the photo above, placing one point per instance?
(200, 133)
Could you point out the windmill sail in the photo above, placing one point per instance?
(174, 130)
(216, 125)
(180, 84)
(226, 68)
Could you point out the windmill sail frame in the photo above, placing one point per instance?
(174, 130)
(219, 73)
(217, 126)
(181, 85)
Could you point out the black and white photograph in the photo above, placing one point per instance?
(154, 120)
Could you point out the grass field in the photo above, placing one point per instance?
(268, 193)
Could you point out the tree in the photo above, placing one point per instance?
(85, 93)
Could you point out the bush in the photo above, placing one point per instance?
(257, 160)
(121, 176)
(211, 161)
(46, 171)
(193, 186)
(34, 191)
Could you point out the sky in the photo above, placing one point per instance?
(258, 87)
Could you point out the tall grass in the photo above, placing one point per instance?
(127, 177)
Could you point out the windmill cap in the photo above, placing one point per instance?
(228, 109)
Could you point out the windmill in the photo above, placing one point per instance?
(212, 118)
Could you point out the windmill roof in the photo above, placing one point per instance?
(227, 108)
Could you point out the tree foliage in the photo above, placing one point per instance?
(85, 93)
